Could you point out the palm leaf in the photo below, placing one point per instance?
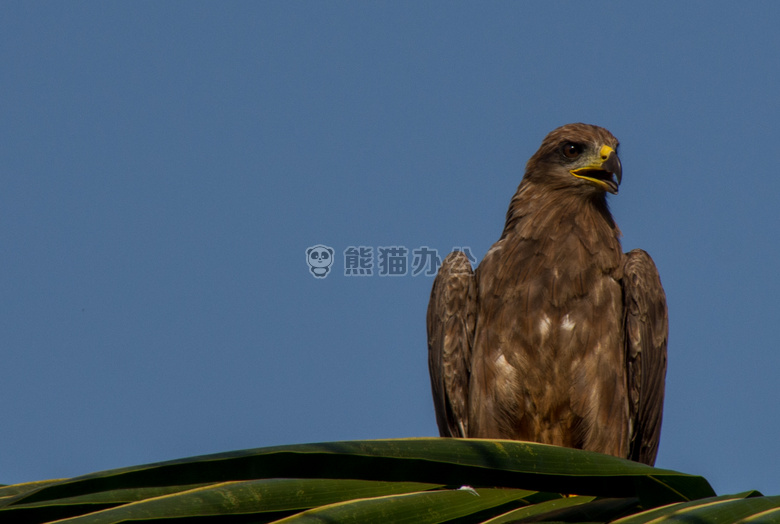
(424, 480)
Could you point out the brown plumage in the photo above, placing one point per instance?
(558, 336)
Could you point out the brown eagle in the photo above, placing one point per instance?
(558, 336)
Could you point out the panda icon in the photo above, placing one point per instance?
(319, 258)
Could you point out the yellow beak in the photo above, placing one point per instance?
(604, 172)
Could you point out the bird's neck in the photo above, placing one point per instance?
(550, 216)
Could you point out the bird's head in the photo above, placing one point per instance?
(578, 156)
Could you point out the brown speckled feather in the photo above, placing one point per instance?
(646, 328)
(450, 337)
(537, 344)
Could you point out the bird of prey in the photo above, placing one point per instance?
(558, 336)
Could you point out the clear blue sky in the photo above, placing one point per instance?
(165, 165)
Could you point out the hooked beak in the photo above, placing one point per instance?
(605, 172)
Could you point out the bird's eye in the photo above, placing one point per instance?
(572, 150)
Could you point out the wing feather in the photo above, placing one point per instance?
(646, 333)
(451, 320)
